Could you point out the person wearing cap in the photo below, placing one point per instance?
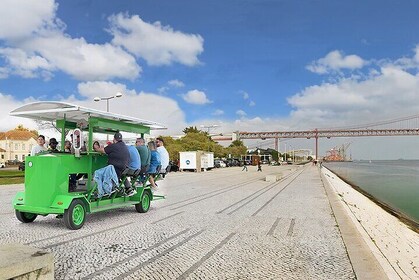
(118, 154)
(40, 147)
(53, 145)
(164, 155)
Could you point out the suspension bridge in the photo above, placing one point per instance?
(405, 126)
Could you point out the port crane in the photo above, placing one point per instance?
(337, 153)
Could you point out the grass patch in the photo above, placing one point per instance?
(12, 180)
(8, 177)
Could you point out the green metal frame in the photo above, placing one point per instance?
(47, 175)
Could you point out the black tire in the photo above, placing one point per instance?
(25, 217)
(145, 203)
(75, 215)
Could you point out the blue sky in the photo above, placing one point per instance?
(243, 65)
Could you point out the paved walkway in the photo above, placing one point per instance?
(221, 224)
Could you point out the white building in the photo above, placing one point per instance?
(16, 145)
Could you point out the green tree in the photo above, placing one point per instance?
(236, 149)
(191, 129)
(237, 143)
(21, 128)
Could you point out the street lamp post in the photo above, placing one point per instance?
(107, 98)
(208, 128)
(97, 99)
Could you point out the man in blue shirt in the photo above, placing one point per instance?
(134, 158)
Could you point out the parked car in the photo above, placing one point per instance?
(173, 166)
(22, 166)
(219, 163)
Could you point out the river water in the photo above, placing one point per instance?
(395, 183)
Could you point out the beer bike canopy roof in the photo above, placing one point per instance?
(81, 116)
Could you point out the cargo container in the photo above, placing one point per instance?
(196, 160)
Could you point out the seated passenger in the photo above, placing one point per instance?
(134, 158)
(144, 154)
(134, 163)
(154, 163)
(40, 147)
(67, 146)
(164, 155)
(53, 145)
(106, 180)
(118, 156)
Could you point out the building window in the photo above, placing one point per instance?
(16, 147)
(16, 158)
(23, 146)
(2, 156)
(23, 157)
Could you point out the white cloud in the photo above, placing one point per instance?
(147, 106)
(218, 112)
(8, 104)
(176, 83)
(252, 103)
(85, 61)
(157, 44)
(24, 65)
(349, 101)
(36, 45)
(334, 61)
(196, 97)
(245, 95)
(241, 113)
(43, 47)
(162, 90)
(23, 18)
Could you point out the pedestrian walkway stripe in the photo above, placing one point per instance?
(89, 235)
(268, 186)
(221, 192)
(291, 228)
(116, 264)
(198, 181)
(270, 200)
(205, 194)
(272, 230)
(206, 257)
(151, 260)
(168, 217)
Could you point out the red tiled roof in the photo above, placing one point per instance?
(17, 135)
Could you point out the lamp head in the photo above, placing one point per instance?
(118, 94)
(96, 99)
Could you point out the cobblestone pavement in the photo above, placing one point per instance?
(220, 224)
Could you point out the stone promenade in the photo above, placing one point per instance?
(221, 224)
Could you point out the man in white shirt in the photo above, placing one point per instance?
(164, 155)
(40, 147)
